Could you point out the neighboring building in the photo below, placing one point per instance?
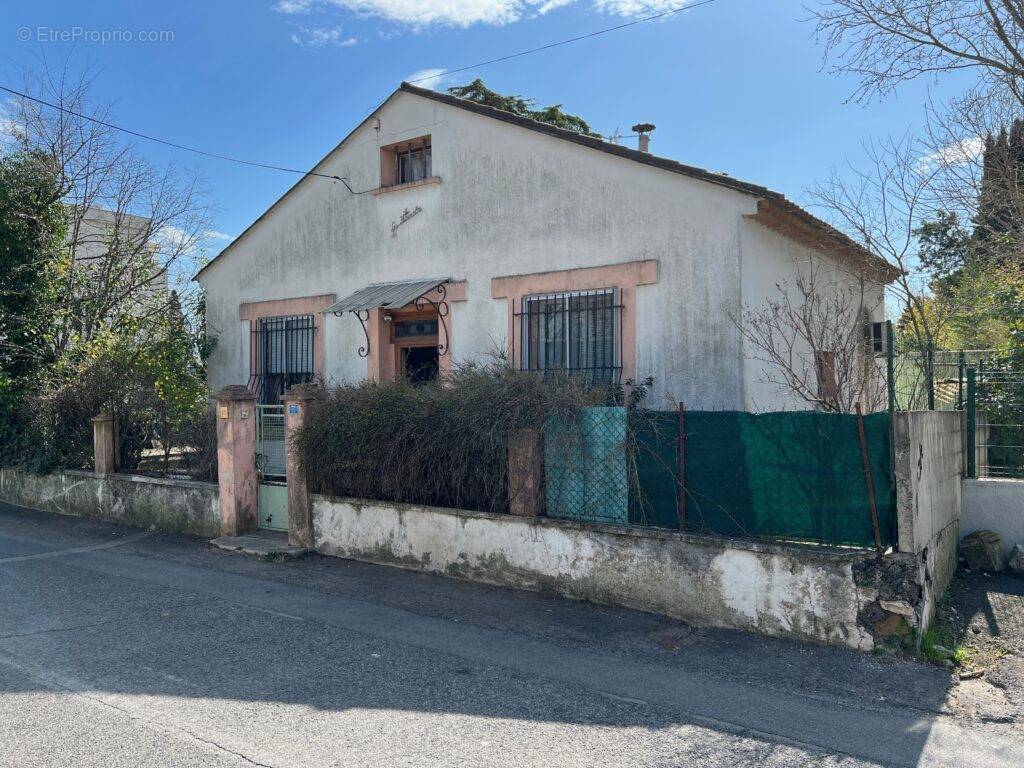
(460, 229)
(96, 230)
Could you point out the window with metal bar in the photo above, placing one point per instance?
(412, 163)
(282, 355)
(577, 332)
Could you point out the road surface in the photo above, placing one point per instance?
(127, 648)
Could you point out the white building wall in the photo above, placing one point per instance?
(771, 262)
(512, 201)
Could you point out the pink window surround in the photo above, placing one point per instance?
(624, 277)
(383, 361)
(253, 312)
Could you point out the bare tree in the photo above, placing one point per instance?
(882, 208)
(810, 336)
(887, 42)
(132, 228)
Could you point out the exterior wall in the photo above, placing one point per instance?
(929, 466)
(779, 590)
(994, 505)
(769, 261)
(510, 202)
(179, 506)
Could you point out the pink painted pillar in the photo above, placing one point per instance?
(526, 472)
(300, 512)
(104, 453)
(236, 461)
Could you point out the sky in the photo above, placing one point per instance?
(739, 86)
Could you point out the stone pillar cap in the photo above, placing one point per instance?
(235, 392)
(103, 417)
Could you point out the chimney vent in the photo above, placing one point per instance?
(643, 131)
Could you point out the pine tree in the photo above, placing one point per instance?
(477, 92)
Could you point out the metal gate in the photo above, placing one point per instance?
(270, 468)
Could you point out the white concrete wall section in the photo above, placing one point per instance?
(779, 590)
(994, 505)
(930, 461)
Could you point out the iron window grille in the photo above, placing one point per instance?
(282, 356)
(412, 163)
(579, 332)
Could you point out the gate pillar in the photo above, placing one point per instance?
(300, 513)
(236, 461)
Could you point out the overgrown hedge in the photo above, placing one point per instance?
(50, 426)
(442, 444)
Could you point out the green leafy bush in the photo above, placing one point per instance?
(443, 443)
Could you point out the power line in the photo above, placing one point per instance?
(285, 169)
(167, 143)
(663, 14)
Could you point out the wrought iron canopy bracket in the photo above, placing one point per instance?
(441, 308)
(363, 316)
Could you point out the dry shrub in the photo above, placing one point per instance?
(442, 444)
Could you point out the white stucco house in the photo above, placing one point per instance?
(441, 230)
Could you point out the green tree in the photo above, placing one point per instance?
(477, 92)
(32, 232)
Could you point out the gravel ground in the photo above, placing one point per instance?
(984, 616)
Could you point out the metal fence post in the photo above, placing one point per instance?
(930, 371)
(971, 415)
(890, 358)
(961, 365)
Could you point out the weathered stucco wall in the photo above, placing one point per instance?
(511, 201)
(930, 459)
(994, 505)
(179, 506)
(779, 590)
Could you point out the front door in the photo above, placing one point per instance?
(272, 500)
(420, 364)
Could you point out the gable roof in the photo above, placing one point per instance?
(774, 210)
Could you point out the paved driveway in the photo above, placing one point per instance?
(124, 648)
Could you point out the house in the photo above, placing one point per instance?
(441, 230)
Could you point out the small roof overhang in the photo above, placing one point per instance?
(386, 295)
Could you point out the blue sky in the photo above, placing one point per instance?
(737, 85)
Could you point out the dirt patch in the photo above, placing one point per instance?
(981, 621)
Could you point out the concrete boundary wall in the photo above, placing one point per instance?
(178, 506)
(995, 504)
(801, 592)
(930, 459)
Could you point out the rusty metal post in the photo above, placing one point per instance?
(870, 482)
(681, 478)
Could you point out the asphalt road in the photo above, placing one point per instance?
(125, 648)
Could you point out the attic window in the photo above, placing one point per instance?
(406, 162)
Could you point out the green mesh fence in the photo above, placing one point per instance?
(586, 467)
(794, 475)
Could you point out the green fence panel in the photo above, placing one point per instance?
(654, 496)
(796, 475)
(586, 467)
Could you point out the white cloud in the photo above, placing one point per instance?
(10, 128)
(212, 234)
(465, 13)
(427, 78)
(317, 37)
(956, 153)
(293, 6)
(424, 13)
(636, 7)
